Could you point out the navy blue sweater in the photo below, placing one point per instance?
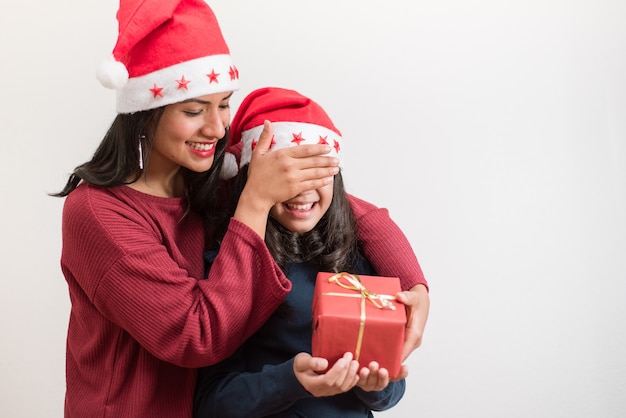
(258, 380)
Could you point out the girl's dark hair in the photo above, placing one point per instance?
(331, 244)
(116, 162)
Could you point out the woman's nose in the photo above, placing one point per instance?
(214, 126)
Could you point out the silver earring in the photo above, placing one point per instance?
(141, 138)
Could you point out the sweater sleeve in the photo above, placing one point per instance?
(156, 291)
(225, 390)
(385, 245)
(200, 322)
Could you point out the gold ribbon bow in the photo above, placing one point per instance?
(378, 300)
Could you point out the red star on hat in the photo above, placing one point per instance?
(297, 138)
(156, 91)
(213, 77)
(234, 73)
(182, 83)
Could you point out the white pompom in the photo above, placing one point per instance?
(230, 167)
(112, 74)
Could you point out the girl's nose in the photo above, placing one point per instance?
(306, 193)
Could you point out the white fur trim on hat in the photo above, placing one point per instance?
(289, 134)
(229, 167)
(194, 78)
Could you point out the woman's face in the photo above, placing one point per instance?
(188, 132)
(301, 213)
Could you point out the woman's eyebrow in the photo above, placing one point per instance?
(200, 101)
(196, 101)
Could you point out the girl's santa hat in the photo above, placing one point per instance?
(167, 51)
(296, 120)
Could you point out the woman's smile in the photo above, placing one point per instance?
(202, 149)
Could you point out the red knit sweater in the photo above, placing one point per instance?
(143, 318)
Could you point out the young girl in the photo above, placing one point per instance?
(272, 373)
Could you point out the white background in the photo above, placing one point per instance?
(494, 131)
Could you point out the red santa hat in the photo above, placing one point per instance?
(167, 51)
(296, 120)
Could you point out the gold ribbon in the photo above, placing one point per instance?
(354, 283)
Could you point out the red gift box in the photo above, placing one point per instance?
(358, 314)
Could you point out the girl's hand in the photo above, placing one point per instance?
(340, 378)
(373, 378)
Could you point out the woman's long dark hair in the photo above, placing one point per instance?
(116, 162)
(331, 244)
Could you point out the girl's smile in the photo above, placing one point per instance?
(301, 213)
(299, 210)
